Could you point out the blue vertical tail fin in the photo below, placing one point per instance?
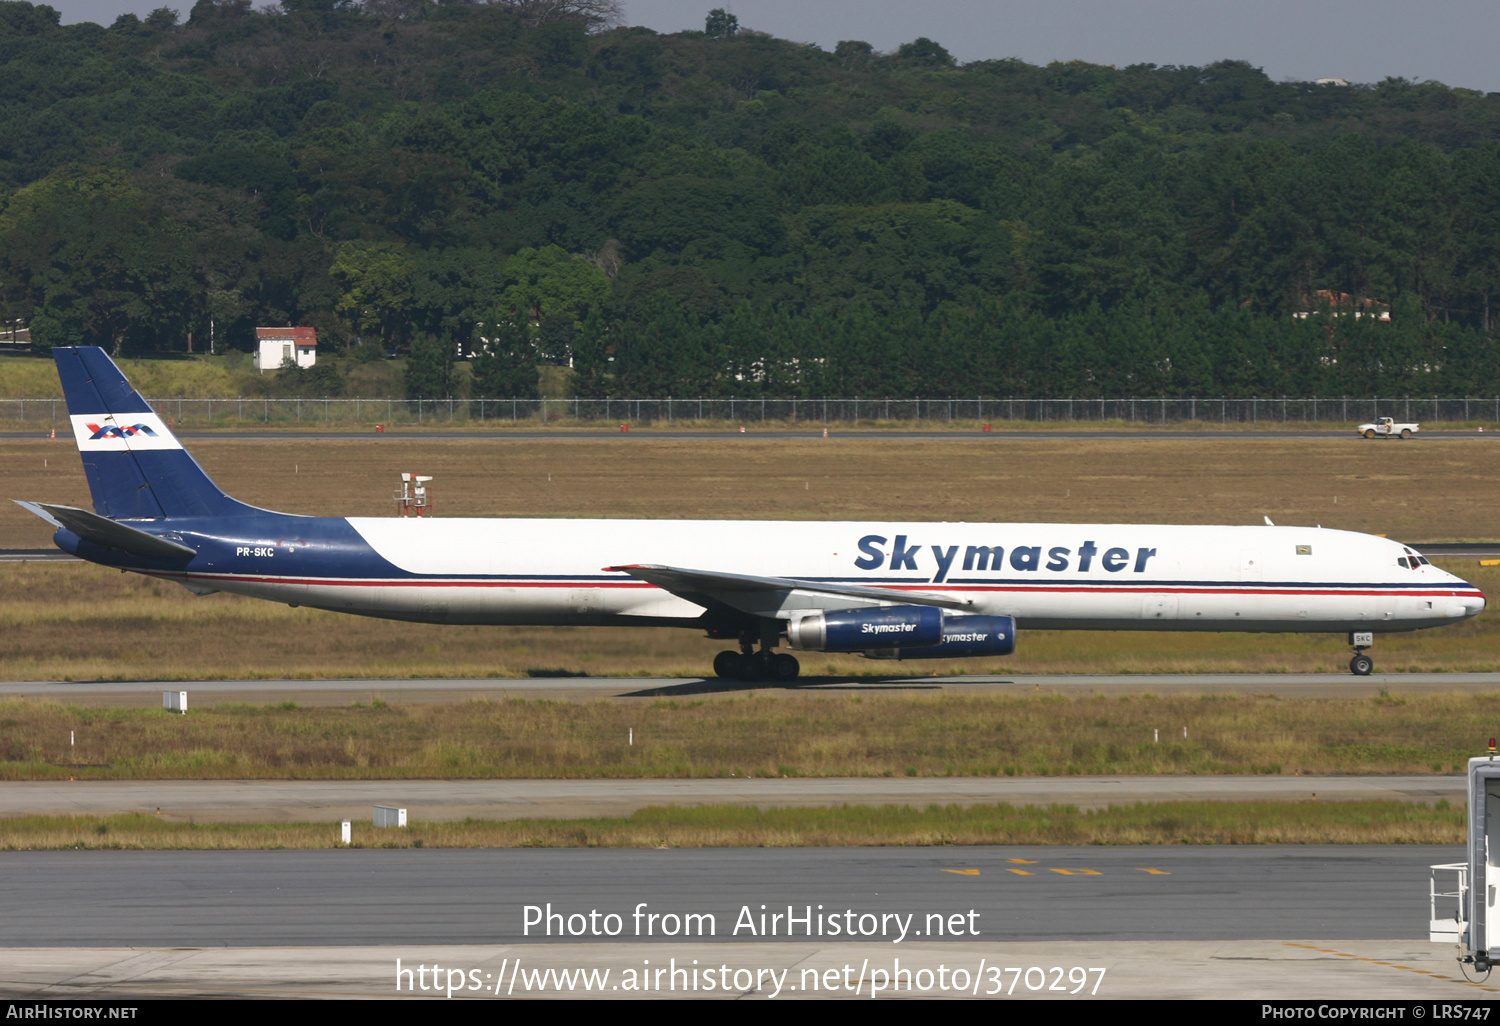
(135, 467)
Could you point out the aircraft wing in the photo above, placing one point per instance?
(104, 531)
(773, 596)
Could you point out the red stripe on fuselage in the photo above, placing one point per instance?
(1024, 589)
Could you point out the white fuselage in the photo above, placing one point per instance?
(1049, 576)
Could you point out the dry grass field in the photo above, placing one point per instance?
(76, 621)
(1429, 490)
(722, 826)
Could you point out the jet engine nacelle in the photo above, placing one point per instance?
(855, 630)
(961, 636)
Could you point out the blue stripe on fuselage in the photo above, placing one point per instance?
(262, 544)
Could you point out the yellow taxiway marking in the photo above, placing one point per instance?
(963, 872)
(1154, 872)
(1393, 965)
(1023, 862)
(1020, 872)
(1078, 872)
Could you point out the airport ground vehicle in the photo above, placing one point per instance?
(1386, 427)
(880, 589)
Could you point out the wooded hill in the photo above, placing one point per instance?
(725, 213)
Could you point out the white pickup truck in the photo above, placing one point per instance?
(1385, 427)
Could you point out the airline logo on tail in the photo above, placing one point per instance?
(112, 431)
(133, 432)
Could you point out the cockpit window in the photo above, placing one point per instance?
(1401, 561)
(1423, 560)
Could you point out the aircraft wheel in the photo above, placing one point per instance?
(1370, 433)
(762, 666)
(785, 667)
(1361, 665)
(729, 664)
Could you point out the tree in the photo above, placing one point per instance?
(669, 213)
(299, 6)
(24, 19)
(92, 258)
(161, 19)
(206, 11)
(547, 282)
(854, 53)
(376, 278)
(720, 24)
(429, 368)
(504, 364)
(595, 14)
(925, 52)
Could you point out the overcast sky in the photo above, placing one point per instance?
(1450, 41)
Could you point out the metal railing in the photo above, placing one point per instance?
(1445, 908)
(1139, 410)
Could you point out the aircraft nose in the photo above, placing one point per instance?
(1468, 604)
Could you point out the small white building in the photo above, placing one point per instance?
(277, 345)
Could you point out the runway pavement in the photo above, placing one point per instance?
(478, 896)
(1252, 922)
(403, 691)
(1391, 975)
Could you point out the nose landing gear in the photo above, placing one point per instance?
(1361, 665)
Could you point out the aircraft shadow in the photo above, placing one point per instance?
(724, 685)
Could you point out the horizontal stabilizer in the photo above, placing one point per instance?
(104, 531)
(750, 594)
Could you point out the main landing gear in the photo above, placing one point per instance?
(762, 665)
(748, 664)
(1361, 665)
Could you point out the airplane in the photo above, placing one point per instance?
(879, 589)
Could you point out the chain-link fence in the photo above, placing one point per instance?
(316, 413)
